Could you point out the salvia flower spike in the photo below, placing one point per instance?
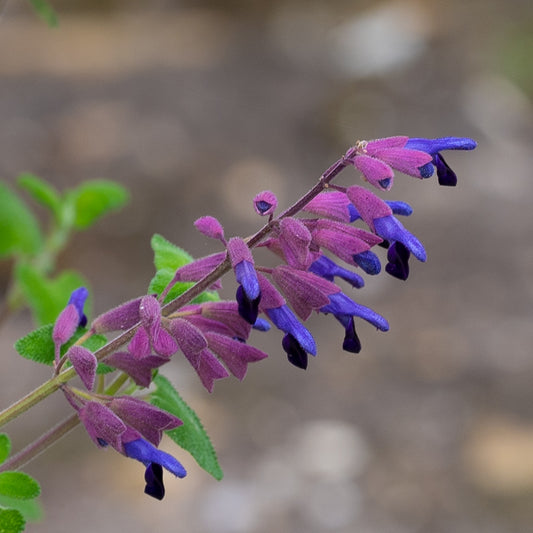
(214, 336)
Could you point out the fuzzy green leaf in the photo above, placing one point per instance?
(45, 11)
(18, 485)
(94, 198)
(191, 436)
(163, 277)
(11, 521)
(38, 345)
(19, 230)
(41, 191)
(47, 297)
(168, 255)
(5, 447)
(167, 259)
(31, 510)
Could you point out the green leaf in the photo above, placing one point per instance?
(19, 485)
(38, 345)
(163, 277)
(167, 259)
(30, 509)
(93, 343)
(11, 521)
(191, 436)
(5, 447)
(168, 255)
(19, 230)
(102, 368)
(95, 198)
(41, 191)
(47, 297)
(45, 11)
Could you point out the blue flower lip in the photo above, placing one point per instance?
(432, 146)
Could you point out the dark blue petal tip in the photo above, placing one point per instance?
(426, 171)
(296, 355)
(398, 265)
(351, 341)
(248, 309)
(154, 481)
(368, 261)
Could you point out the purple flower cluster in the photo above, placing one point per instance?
(132, 427)
(316, 250)
(206, 334)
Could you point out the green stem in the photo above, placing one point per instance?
(117, 384)
(36, 396)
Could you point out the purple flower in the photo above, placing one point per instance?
(265, 203)
(297, 337)
(235, 353)
(392, 230)
(433, 147)
(294, 240)
(78, 299)
(249, 293)
(210, 227)
(348, 243)
(194, 346)
(296, 354)
(334, 205)
(376, 160)
(398, 257)
(119, 318)
(154, 460)
(351, 342)
(305, 291)
(65, 326)
(69, 320)
(105, 427)
(84, 363)
(148, 420)
(344, 309)
(140, 370)
(342, 305)
(199, 268)
(379, 218)
(151, 335)
(222, 316)
(328, 269)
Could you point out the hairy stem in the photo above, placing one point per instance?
(41, 444)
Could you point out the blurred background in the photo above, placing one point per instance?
(197, 105)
